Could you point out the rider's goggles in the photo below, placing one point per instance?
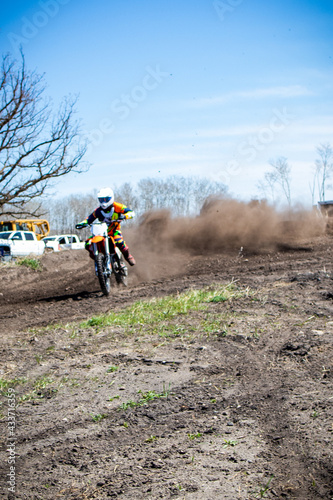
(105, 199)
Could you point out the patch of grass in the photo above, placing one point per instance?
(39, 384)
(128, 404)
(257, 332)
(114, 397)
(150, 395)
(30, 262)
(195, 436)
(150, 313)
(42, 382)
(146, 397)
(98, 417)
(171, 330)
(112, 369)
(218, 298)
(27, 397)
(6, 383)
(214, 324)
(151, 439)
(38, 359)
(263, 490)
(229, 442)
(74, 382)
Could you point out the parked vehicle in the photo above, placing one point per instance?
(60, 242)
(19, 244)
(108, 258)
(40, 227)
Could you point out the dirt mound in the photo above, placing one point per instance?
(65, 260)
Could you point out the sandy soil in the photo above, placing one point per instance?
(243, 411)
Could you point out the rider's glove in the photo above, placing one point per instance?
(81, 225)
(129, 215)
(118, 217)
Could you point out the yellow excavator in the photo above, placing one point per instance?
(40, 227)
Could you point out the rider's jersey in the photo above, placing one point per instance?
(110, 218)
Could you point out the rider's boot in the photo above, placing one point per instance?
(130, 259)
(88, 246)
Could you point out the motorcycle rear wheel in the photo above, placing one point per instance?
(120, 270)
(103, 277)
(121, 278)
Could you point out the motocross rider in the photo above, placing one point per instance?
(109, 211)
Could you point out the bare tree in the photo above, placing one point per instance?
(279, 177)
(125, 194)
(323, 168)
(267, 186)
(204, 188)
(36, 147)
(146, 189)
(63, 213)
(312, 188)
(183, 195)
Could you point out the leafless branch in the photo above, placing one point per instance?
(35, 149)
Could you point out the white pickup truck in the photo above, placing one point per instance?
(19, 244)
(60, 242)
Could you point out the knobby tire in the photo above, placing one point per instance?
(104, 280)
(120, 276)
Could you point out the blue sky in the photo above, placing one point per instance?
(194, 87)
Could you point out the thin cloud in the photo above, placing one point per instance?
(263, 93)
(151, 159)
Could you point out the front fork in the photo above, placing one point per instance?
(106, 253)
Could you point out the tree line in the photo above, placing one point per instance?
(183, 196)
(277, 180)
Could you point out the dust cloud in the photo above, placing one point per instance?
(223, 225)
(226, 224)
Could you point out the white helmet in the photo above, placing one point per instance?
(105, 198)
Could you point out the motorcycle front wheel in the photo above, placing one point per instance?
(102, 273)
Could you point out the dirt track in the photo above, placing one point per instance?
(249, 413)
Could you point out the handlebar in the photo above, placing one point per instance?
(121, 217)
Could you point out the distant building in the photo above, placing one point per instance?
(326, 207)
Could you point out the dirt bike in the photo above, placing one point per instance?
(108, 258)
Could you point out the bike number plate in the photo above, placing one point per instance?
(99, 229)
